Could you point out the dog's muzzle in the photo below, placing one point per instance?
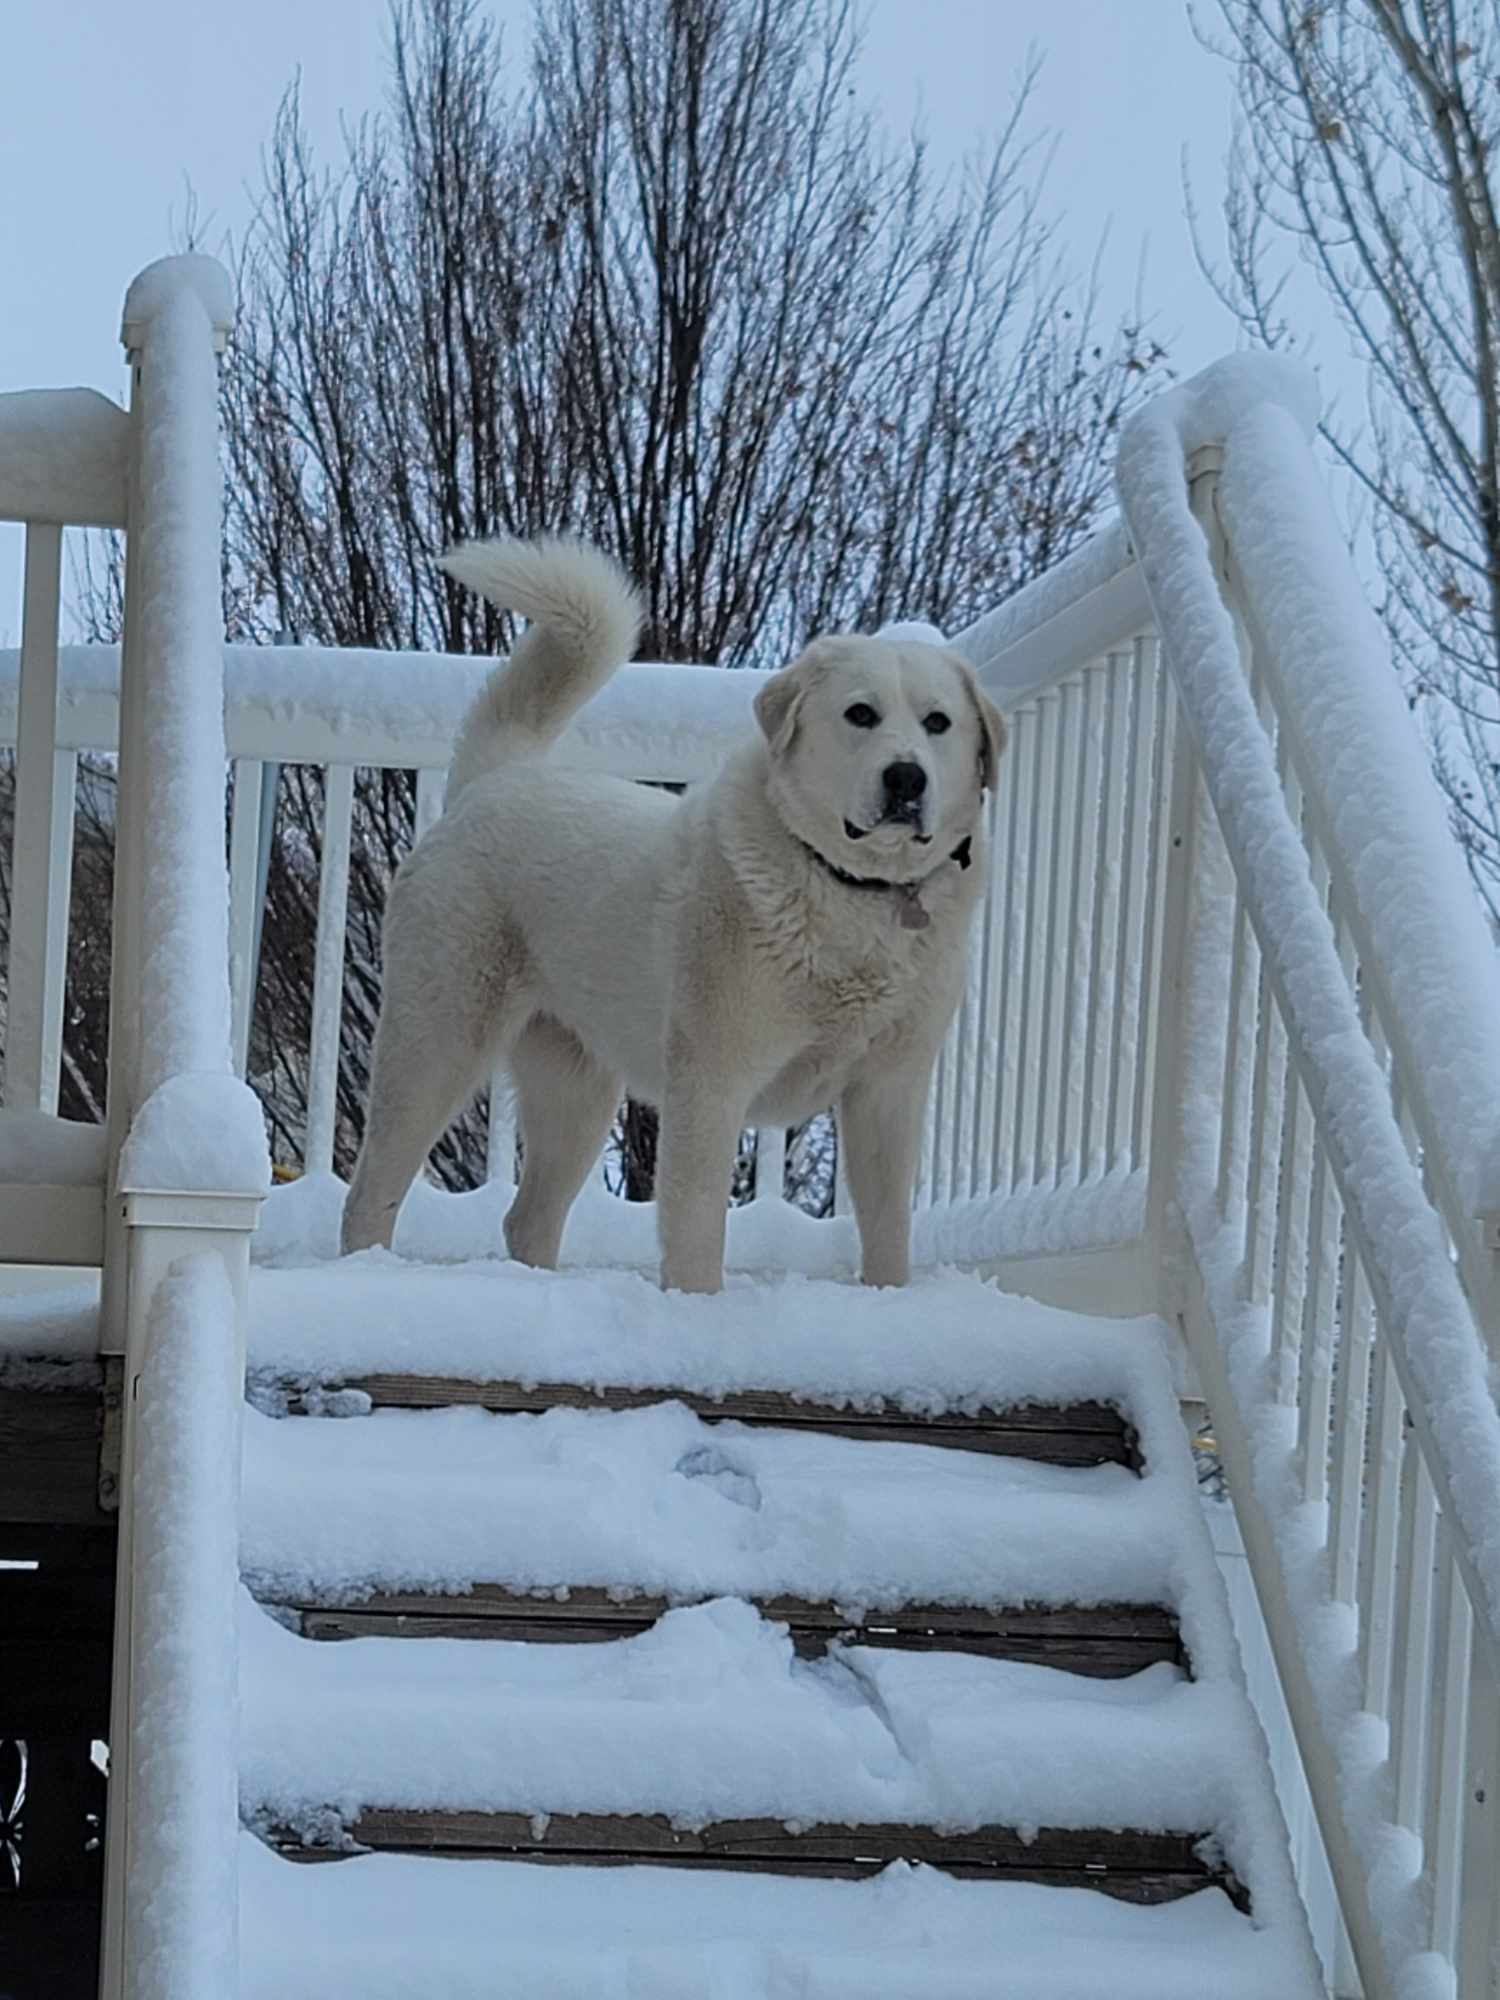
(903, 787)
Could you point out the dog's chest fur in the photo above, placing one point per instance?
(851, 975)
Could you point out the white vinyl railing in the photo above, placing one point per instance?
(177, 1182)
(1230, 1051)
(1319, 1231)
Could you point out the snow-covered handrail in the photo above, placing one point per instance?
(182, 1809)
(1327, 1294)
(1361, 762)
(326, 704)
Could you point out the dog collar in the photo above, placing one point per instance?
(912, 916)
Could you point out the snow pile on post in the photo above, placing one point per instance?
(63, 456)
(181, 1917)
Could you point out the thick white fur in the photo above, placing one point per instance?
(596, 937)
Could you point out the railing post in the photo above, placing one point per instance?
(770, 1162)
(246, 821)
(169, 990)
(1184, 1066)
(123, 1057)
(184, 1834)
(1479, 1889)
(42, 855)
(328, 974)
(160, 1228)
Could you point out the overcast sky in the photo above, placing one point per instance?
(109, 113)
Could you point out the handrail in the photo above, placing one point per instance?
(1320, 1202)
(328, 704)
(1433, 1323)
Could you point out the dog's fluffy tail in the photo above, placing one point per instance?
(585, 619)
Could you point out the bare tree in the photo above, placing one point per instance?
(671, 288)
(1369, 138)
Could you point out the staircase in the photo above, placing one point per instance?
(839, 1643)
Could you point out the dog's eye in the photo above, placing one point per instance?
(936, 723)
(863, 716)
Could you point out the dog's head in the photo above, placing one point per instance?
(880, 751)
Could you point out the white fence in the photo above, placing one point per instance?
(1230, 1049)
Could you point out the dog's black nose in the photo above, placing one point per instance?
(904, 782)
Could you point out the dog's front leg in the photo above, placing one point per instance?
(701, 1115)
(880, 1130)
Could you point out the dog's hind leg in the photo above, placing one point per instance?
(431, 1052)
(566, 1102)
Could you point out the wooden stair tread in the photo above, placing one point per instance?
(1135, 1865)
(1103, 1641)
(1061, 1434)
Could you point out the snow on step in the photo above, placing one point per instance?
(947, 1342)
(392, 1928)
(711, 1716)
(656, 1500)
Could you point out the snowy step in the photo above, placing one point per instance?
(1124, 1862)
(656, 1503)
(1104, 1639)
(711, 1720)
(1076, 1434)
(397, 1928)
(945, 1347)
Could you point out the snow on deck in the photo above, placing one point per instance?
(482, 1930)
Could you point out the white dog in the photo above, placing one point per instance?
(789, 936)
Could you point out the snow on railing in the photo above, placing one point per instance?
(1332, 1283)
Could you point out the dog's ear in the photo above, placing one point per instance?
(992, 732)
(778, 703)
